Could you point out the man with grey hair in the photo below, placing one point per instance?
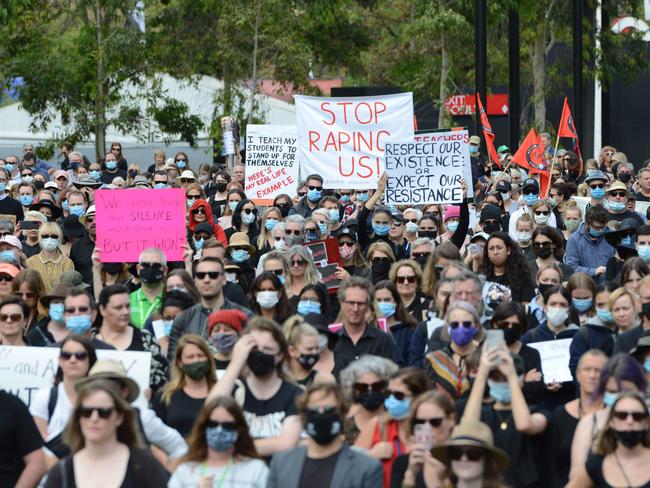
(356, 336)
(411, 218)
(152, 268)
(421, 250)
(643, 180)
(294, 230)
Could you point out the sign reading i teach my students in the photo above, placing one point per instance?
(129, 221)
(343, 139)
(426, 172)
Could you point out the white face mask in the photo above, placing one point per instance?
(557, 316)
(541, 219)
(50, 244)
(267, 299)
(279, 245)
(524, 237)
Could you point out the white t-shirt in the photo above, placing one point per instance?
(251, 473)
(62, 410)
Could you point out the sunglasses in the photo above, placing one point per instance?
(213, 275)
(381, 260)
(377, 386)
(71, 310)
(187, 180)
(104, 413)
(179, 160)
(597, 185)
(507, 325)
(249, 210)
(11, 317)
(223, 425)
(542, 245)
(278, 272)
(405, 279)
(151, 265)
(25, 294)
(193, 196)
(397, 394)
(413, 221)
(203, 236)
(294, 232)
(302, 193)
(541, 212)
(50, 236)
(421, 254)
(298, 262)
(531, 192)
(396, 223)
(79, 356)
(465, 323)
(199, 210)
(90, 219)
(434, 422)
(472, 453)
(319, 188)
(347, 243)
(636, 416)
(618, 193)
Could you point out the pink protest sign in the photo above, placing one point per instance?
(128, 221)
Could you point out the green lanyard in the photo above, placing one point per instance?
(222, 478)
(143, 317)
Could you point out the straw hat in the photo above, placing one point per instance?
(110, 369)
(471, 433)
(240, 239)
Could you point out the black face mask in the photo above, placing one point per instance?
(645, 310)
(260, 363)
(221, 186)
(323, 427)
(542, 287)
(112, 268)
(151, 276)
(542, 252)
(511, 336)
(371, 400)
(624, 177)
(284, 208)
(629, 438)
(39, 184)
(422, 261)
(491, 227)
(133, 173)
(380, 271)
(307, 361)
(429, 234)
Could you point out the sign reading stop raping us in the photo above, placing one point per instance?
(129, 221)
(427, 172)
(343, 139)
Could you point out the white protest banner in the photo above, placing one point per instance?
(342, 139)
(555, 360)
(24, 370)
(467, 164)
(271, 161)
(424, 172)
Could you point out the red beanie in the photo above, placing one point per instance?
(233, 318)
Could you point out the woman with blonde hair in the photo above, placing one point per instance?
(381, 257)
(302, 271)
(50, 262)
(105, 444)
(193, 374)
(572, 218)
(265, 241)
(624, 306)
(304, 352)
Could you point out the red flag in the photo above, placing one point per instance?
(488, 133)
(530, 156)
(568, 129)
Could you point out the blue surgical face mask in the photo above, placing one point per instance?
(473, 149)
(604, 315)
(7, 256)
(308, 306)
(530, 199)
(77, 210)
(26, 200)
(9, 167)
(167, 327)
(324, 228)
(240, 255)
(452, 226)
(56, 311)
(219, 439)
(78, 324)
(362, 197)
(190, 202)
(270, 224)
(387, 309)
(646, 365)
(233, 205)
(345, 199)
(314, 195)
(397, 409)
(198, 244)
(615, 206)
(380, 229)
(2, 187)
(597, 193)
(596, 233)
(609, 398)
(111, 165)
(160, 186)
(248, 219)
(334, 214)
(180, 164)
(644, 253)
(500, 391)
(581, 304)
(64, 205)
(95, 175)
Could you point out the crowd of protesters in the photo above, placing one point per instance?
(421, 368)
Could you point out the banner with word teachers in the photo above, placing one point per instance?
(342, 139)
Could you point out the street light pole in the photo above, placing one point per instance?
(514, 100)
(480, 56)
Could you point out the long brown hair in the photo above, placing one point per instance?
(198, 449)
(270, 326)
(177, 379)
(606, 442)
(127, 432)
(36, 284)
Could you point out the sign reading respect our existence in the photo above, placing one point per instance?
(426, 172)
(25, 370)
(271, 161)
(343, 139)
(129, 221)
(554, 356)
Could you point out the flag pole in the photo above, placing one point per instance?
(501, 177)
(557, 143)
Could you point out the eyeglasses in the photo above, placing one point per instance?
(151, 265)
(541, 212)
(434, 422)
(50, 236)
(465, 323)
(71, 310)
(636, 416)
(79, 356)
(406, 279)
(25, 294)
(278, 272)
(202, 235)
(377, 386)
(417, 255)
(104, 413)
(11, 317)
(542, 245)
(593, 186)
(381, 260)
(298, 262)
(315, 188)
(302, 193)
(399, 395)
(90, 219)
(187, 180)
(618, 193)
(472, 453)
(347, 243)
(213, 275)
(249, 211)
(223, 425)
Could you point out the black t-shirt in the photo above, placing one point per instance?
(317, 473)
(625, 215)
(181, 412)
(563, 428)
(522, 470)
(29, 250)
(18, 437)
(265, 417)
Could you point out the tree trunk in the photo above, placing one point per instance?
(444, 75)
(258, 17)
(539, 77)
(100, 100)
